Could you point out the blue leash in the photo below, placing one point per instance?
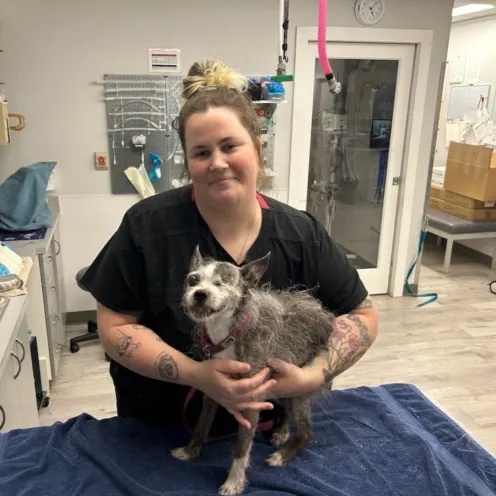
(432, 296)
(381, 176)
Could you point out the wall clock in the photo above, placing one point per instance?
(369, 12)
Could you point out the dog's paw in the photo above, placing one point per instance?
(276, 460)
(182, 454)
(280, 437)
(233, 486)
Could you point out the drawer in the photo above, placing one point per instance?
(47, 266)
(10, 400)
(10, 390)
(54, 327)
(50, 294)
(18, 407)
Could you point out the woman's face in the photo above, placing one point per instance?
(222, 158)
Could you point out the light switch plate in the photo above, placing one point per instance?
(101, 160)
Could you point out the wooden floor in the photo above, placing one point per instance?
(447, 349)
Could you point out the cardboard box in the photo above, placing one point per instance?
(463, 212)
(457, 199)
(471, 171)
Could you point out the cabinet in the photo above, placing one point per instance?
(18, 408)
(53, 302)
(46, 307)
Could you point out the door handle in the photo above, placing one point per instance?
(4, 417)
(18, 363)
(57, 247)
(19, 342)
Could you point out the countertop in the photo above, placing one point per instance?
(39, 246)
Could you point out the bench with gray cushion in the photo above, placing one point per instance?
(453, 229)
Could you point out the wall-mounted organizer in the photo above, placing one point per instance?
(140, 112)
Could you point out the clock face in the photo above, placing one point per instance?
(369, 11)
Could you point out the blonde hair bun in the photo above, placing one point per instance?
(212, 74)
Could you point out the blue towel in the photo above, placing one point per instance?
(383, 441)
(23, 204)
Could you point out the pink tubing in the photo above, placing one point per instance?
(324, 62)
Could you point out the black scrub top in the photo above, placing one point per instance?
(142, 268)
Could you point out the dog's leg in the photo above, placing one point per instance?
(236, 481)
(200, 434)
(301, 409)
(281, 432)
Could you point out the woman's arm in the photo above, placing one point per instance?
(353, 335)
(141, 350)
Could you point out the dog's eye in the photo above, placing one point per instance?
(193, 280)
(217, 283)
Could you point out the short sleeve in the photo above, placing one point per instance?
(116, 278)
(340, 288)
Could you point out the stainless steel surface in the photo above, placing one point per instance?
(10, 282)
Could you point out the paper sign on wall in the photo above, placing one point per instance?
(164, 60)
(456, 70)
(473, 69)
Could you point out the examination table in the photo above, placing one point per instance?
(387, 440)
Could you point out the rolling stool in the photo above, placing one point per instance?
(92, 333)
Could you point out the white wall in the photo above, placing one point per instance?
(54, 49)
(470, 38)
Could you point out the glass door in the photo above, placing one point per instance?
(355, 149)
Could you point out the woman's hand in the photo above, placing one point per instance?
(294, 381)
(214, 378)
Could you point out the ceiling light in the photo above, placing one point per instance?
(471, 9)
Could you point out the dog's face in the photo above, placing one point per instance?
(214, 288)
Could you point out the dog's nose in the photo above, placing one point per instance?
(199, 297)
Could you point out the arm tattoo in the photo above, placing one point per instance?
(167, 367)
(125, 345)
(364, 330)
(328, 371)
(347, 345)
(343, 326)
(138, 327)
(367, 303)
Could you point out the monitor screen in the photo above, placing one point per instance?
(380, 133)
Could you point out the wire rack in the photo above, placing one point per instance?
(142, 105)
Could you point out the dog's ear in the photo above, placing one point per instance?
(196, 259)
(252, 272)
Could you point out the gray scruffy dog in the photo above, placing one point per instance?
(244, 322)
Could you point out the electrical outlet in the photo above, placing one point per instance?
(101, 160)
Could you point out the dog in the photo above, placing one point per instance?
(241, 321)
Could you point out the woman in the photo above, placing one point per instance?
(138, 277)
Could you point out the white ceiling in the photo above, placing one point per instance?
(459, 3)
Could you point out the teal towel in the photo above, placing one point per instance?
(23, 205)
